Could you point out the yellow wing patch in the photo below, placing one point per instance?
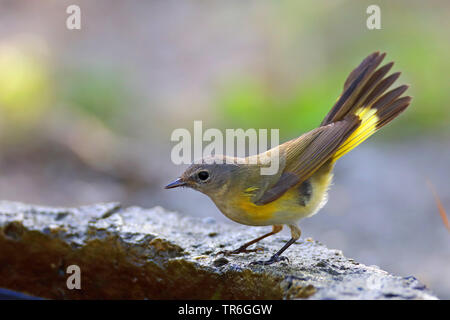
(251, 189)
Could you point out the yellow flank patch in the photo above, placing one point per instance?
(368, 126)
(266, 211)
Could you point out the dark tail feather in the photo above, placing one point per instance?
(352, 86)
(365, 96)
(363, 86)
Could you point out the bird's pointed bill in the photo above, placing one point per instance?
(174, 184)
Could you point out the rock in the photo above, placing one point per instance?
(135, 253)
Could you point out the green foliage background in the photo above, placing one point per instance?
(412, 34)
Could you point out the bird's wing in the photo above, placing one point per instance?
(307, 153)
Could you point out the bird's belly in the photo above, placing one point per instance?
(289, 208)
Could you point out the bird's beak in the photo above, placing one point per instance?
(174, 184)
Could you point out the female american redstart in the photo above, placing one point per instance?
(299, 188)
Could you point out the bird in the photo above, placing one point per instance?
(299, 188)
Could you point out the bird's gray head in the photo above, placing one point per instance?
(210, 176)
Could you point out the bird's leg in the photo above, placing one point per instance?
(295, 233)
(243, 248)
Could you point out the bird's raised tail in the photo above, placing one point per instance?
(365, 96)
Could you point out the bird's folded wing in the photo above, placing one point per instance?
(306, 154)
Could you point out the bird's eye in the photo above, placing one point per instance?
(203, 175)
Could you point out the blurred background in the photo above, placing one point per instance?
(86, 115)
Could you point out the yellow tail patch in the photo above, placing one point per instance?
(368, 126)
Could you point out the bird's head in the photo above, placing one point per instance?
(211, 176)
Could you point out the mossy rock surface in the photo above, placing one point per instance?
(136, 253)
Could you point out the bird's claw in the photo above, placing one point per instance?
(275, 258)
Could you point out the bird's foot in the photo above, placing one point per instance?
(238, 250)
(275, 258)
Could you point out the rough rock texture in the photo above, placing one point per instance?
(135, 253)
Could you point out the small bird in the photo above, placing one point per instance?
(299, 188)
